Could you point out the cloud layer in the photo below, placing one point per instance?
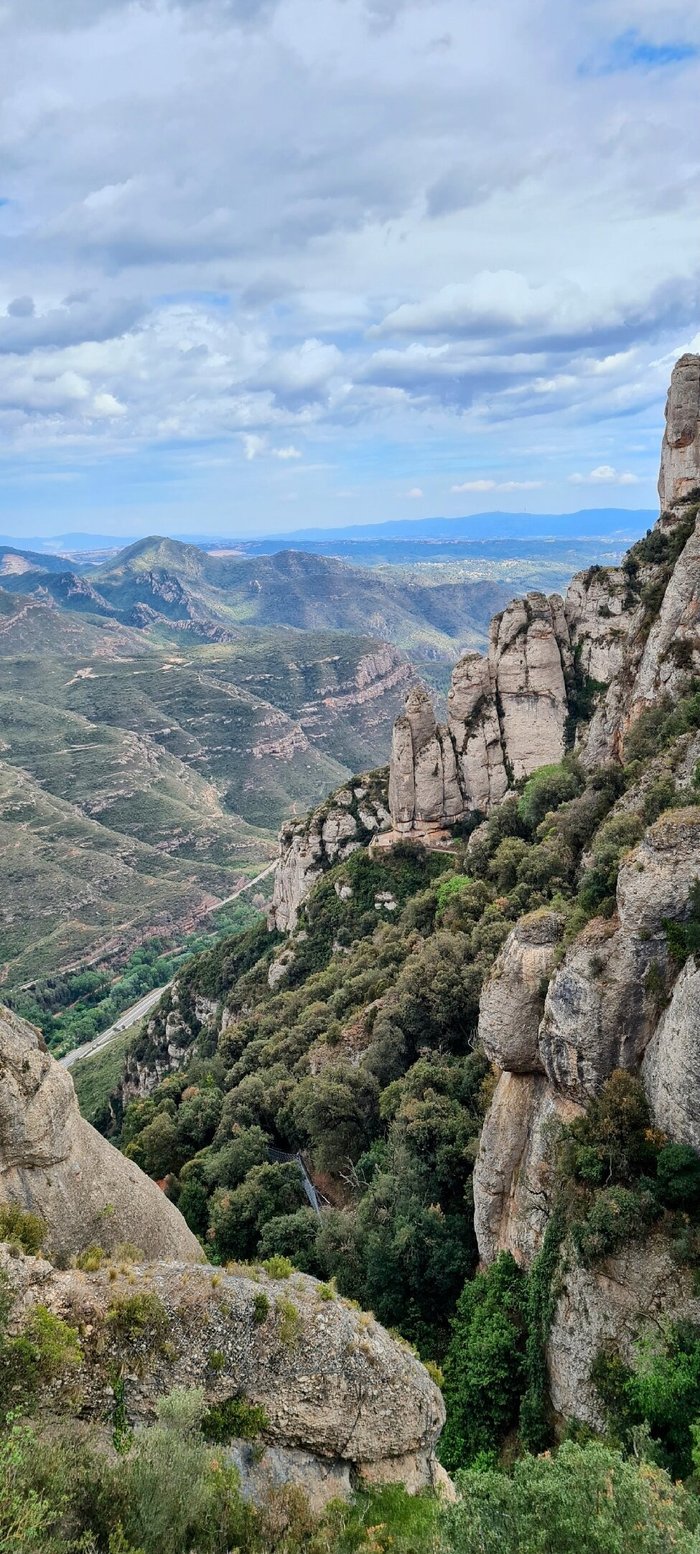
(267, 251)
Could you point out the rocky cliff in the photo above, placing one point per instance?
(349, 819)
(54, 1165)
(339, 1402)
(622, 640)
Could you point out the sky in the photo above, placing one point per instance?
(276, 263)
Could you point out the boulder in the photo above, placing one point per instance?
(330, 1381)
(54, 1164)
(527, 657)
(349, 818)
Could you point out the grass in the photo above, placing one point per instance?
(96, 1077)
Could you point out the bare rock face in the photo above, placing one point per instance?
(512, 1174)
(331, 1381)
(528, 650)
(507, 714)
(599, 1012)
(55, 1165)
(308, 847)
(623, 1300)
(679, 479)
(512, 1000)
(672, 648)
(671, 1068)
(600, 621)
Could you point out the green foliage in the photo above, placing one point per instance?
(485, 1364)
(278, 1267)
(683, 938)
(289, 1323)
(587, 1499)
(542, 1293)
(138, 1320)
(617, 1215)
(45, 1352)
(659, 1392)
(547, 789)
(261, 1307)
(238, 1217)
(21, 1229)
(233, 1419)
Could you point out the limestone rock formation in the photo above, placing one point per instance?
(55, 1165)
(346, 821)
(671, 1067)
(600, 621)
(599, 1012)
(333, 1385)
(512, 1175)
(512, 1000)
(624, 1300)
(507, 715)
(679, 479)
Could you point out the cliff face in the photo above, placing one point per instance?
(55, 1165)
(624, 636)
(349, 819)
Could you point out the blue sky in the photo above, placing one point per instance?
(276, 263)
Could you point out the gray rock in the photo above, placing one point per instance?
(513, 1172)
(54, 1164)
(512, 999)
(330, 1380)
(671, 1067)
(626, 1299)
(679, 478)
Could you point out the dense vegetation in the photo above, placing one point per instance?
(73, 1008)
(362, 1055)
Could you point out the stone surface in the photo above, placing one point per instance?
(600, 621)
(55, 1165)
(599, 1014)
(308, 847)
(671, 1068)
(527, 657)
(512, 1175)
(330, 1380)
(512, 999)
(672, 648)
(679, 478)
(624, 1300)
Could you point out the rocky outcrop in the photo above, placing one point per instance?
(613, 1307)
(55, 1165)
(679, 478)
(512, 1000)
(332, 1385)
(348, 820)
(600, 621)
(513, 1182)
(671, 1067)
(507, 715)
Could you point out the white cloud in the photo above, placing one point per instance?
(286, 453)
(415, 493)
(253, 445)
(604, 475)
(498, 485)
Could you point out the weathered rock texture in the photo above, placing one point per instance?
(671, 1068)
(679, 479)
(513, 1172)
(507, 715)
(54, 1164)
(624, 1300)
(331, 1382)
(348, 820)
(627, 635)
(512, 1000)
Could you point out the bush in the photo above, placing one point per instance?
(547, 789)
(587, 1499)
(485, 1363)
(234, 1419)
(21, 1229)
(618, 1215)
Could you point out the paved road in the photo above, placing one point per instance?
(144, 1005)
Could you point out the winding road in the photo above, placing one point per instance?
(148, 1001)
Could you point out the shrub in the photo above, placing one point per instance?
(278, 1267)
(485, 1363)
(139, 1320)
(290, 1323)
(21, 1229)
(678, 1175)
(617, 1215)
(233, 1419)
